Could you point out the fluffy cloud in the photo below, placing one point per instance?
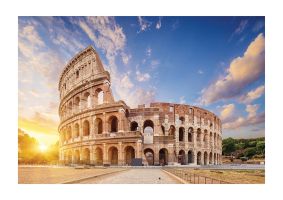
(144, 24)
(252, 95)
(142, 77)
(241, 72)
(182, 100)
(252, 119)
(227, 112)
(158, 24)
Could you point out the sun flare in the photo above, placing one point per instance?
(42, 147)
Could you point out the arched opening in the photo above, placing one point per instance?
(87, 99)
(70, 107)
(210, 137)
(182, 157)
(199, 158)
(190, 157)
(113, 156)
(113, 124)
(134, 126)
(172, 131)
(129, 155)
(86, 156)
(77, 104)
(100, 96)
(198, 135)
(98, 126)
(98, 156)
(205, 157)
(148, 127)
(86, 128)
(182, 120)
(149, 156)
(77, 130)
(77, 157)
(210, 158)
(163, 157)
(205, 138)
(190, 134)
(181, 134)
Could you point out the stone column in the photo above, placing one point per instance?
(138, 149)
(105, 154)
(91, 155)
(120, 154)
(195, 156)
(171, 155)
(105, 127)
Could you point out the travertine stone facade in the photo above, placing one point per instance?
(96, 129)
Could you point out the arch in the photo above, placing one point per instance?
(113, 124)
(69, 132)
(214, 139)
(210, 158)
(86, 128)
(129, 155)
(100, 96)
(98, 156)
(98, 126)
(172, 131)
(134, 126)
(77, 104)
(190, 134)
(113, 155)
(163, 130)
(205, 158)
(210, 137)
(86, 156)
(181, 134)
(190, 157)
(198, 135)
(205, 138)
(182, 157)
(163, 156)
(182, 120)
(86, 100)
(148, 126)
(77, 157)
(199, 158)
(149, 156)
(70, 107)
(76, 130)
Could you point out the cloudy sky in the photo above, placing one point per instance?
(213, 62)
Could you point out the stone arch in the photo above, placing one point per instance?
(148, 127)
(190, 134)
(199, 158)
(87, 100)
(99, 95)
(77, 158)
(86, 156)
(181, 134)
(205, 138)
(70, 107)
(190, 157)
(113, 155)
(76, 130)
(172, 131)
(86, 128)
(182, 120)
(113, 124)
(98, 156)
(134, 126)
(198, 135)
(129, 155)
(210, 158)
(149, 156)
(77, 104)
(163, 130)
(210, 137)
(163, 156)
(98, 126)
(182, 157)
(205, 158)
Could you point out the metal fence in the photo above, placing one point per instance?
(195, 178)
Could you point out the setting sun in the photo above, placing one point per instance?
(42, 147)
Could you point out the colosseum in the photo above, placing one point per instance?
(97, 130)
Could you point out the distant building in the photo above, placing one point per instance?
(96, 129)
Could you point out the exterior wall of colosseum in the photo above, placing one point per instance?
(96, 129)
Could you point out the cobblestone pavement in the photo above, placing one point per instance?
(136, 176)
(46, 175)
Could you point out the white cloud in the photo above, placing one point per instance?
(144, 24)
(200, 71)
(227, 112)
(158, 24)
(142, 77)
(126, 82)
(252, 95)
(241, 72)
(148, 51)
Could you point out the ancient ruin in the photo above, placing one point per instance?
(96, 129)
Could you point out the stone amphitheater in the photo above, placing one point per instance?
(95, 129)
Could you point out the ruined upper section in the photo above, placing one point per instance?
(84, 67)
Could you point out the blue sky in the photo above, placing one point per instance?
(212, 62)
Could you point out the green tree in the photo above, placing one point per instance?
(250, 152)
(228, 146)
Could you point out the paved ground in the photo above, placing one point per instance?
(136, 176)
(47, 174)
